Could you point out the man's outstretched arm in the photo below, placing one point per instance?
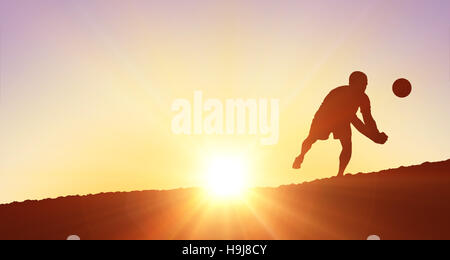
(366, 112)
(361, 127)
(369, 127)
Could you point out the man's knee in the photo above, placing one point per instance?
(346, 145)
(309, 141)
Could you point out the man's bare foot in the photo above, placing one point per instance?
(298, 163)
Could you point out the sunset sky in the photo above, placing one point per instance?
(86, 87)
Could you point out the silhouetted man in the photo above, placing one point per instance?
(336, 115)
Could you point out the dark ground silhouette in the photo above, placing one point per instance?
(404, 203)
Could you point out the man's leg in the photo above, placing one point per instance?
(307, 144)
(346, 155)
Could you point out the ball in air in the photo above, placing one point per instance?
(402, 88)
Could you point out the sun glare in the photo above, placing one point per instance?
(226, 177)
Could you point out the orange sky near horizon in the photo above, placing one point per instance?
(87, 88)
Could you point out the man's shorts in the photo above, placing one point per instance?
(321, 130)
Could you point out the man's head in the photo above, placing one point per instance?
(358, 81)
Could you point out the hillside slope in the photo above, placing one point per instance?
(405, 203)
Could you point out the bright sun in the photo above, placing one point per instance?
(226, 177)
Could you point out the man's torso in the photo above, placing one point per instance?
(339, 107)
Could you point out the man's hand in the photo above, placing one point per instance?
(381, 138)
